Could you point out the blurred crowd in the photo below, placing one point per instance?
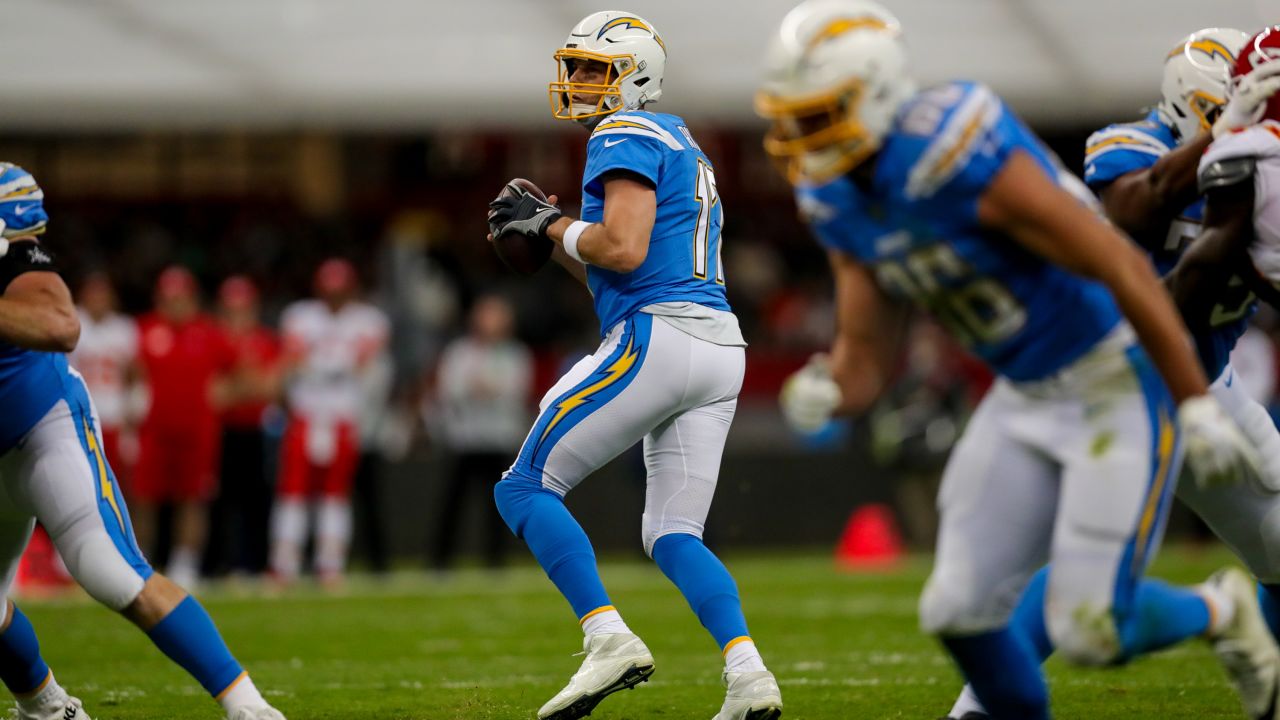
(272, 324)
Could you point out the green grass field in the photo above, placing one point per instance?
(479, 646)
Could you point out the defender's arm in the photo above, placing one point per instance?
(1218, 254)
(621, 241)
(1144, 202)
(1025, 204)
(36, 310)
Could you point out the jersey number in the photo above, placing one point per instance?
(978, 311)
(708, 202)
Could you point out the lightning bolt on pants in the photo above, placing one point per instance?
(648, 382)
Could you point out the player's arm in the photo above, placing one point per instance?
(1024, 203)
(36, 311)
(1144, 202)
(869, 331)
(1221, 249)
(620, 242)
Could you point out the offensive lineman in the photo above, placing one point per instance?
(53, 469)
(668, 371)
(1145, 174)
(943, 197)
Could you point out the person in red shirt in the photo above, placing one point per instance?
(239, 516)
(184, 358)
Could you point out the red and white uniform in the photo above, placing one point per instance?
(181, 435)
(106, 349)
(1262, 143)
(331, 351)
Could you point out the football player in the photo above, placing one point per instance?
(54, 470)
(668, 370)
(1145, 174)
(942, 197)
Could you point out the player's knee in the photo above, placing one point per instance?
(514, 496)
(949, 607)
(95, 562)
(1084, 635)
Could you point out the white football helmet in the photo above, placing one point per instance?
(835, 75)
(1196, 74)
(635, 56)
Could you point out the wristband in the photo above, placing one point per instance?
(570, 240)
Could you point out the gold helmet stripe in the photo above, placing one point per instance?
(840, 26)
(1208, 46)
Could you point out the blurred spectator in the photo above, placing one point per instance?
(329, 343)
(239, 516)
(381, 439)
(107, 358)
(184, 358)
(484, 381)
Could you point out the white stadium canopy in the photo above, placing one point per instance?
(374, 64)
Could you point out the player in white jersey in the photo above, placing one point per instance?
(667, 372)
(53, 470)
(106, 357)
(329, 343)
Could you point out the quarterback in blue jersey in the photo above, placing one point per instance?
(943, 198)
(53, 470)
(1144, 173)
(667, 373)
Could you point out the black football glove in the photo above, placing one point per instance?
(525, 214)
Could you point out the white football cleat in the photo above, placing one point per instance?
(615, 661)
(1245, 647)
(64, 708)
(751, 696)
(262, 712)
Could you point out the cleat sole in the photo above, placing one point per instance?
(583, 706)
(769, 713)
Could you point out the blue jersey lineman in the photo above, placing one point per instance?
(667, 373)
(943, 199)
(1144, 172)
(53, 470)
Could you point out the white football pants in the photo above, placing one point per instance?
(1077, 470)
(651, 382)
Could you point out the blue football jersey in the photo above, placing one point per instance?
(1123, 148)
(683, 263)
(916, 226)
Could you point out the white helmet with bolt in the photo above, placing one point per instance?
(634, 56)
(1196, 73)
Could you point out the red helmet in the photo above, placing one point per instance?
(1259, 50)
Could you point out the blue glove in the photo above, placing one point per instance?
(21, 203)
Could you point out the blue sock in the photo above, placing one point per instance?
(1028, 617)
(1269, 599)
(1004, 673)
(187, 635)
(1162, 615)
(539, 517)
(21, 667)
(705, 583)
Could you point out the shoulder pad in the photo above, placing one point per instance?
(1226, 172)
(636, 124)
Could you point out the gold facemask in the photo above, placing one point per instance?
(562, 90)
(820, 124)
(1206, 107)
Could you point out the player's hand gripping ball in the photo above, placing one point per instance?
(518, 222)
